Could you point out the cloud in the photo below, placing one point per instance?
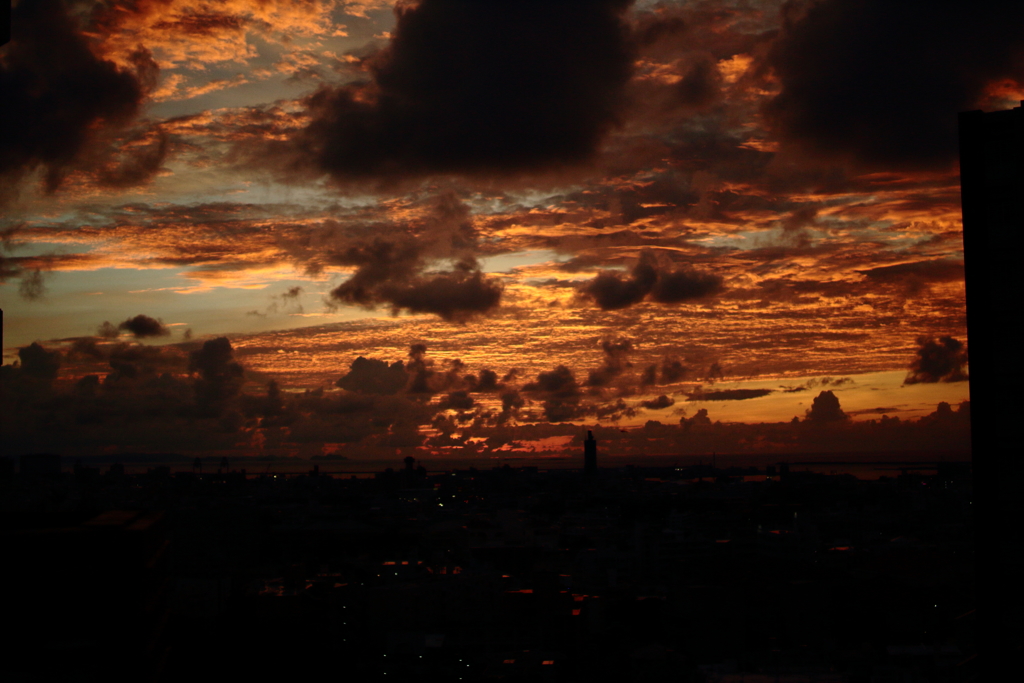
(32, 287)
(454, 296)
(511, 400)
(141, 326)
(699, 420)
(880, 83)
(288, 301)
(728, 394)
(197, 34)
(560, 382)
(671, 371)
(393, 270)
(685, 284)
(715, 372)
(457, 400)
(60, 98)
(467, 87)
(560, 392)
(938, 360)
(108, 330)
(943, 270)
(615, 362)
(220, 377)
(85, 348)
(612, 291)
(825, 408)
(824, 381)
(131, 361)
(701, 85)
(372, 376)
(487, 382)
(659, 403)
(38, 363)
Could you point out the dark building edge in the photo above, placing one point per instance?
(991, 173)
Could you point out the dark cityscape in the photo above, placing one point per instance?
(565, 341)
(696, 573)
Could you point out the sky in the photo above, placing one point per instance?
(320, 228)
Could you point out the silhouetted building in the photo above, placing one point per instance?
(102, 580)
(590, 454)
(991, 185)
(40, 464)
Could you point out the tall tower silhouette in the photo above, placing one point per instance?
(590, 454)
(991, 185)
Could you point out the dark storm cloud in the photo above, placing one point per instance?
(938, 360)
(685, 284)
(511, 401)
(377, 263)
(487, 382)
(220, 377)
(393, 271)
(453, 296)
(558, 382)
(881, 82)
(38, 363)
(469, 86)
(372, 376)
(142, 326)
(215, 361)
(560, 391)
(612, 291)
(59, 96)
(728, 394)
(129, 361)
(825, 408)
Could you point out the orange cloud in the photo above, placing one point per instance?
(199, 33)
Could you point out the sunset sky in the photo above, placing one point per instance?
(553, 214)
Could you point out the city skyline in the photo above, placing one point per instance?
(648, 216)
